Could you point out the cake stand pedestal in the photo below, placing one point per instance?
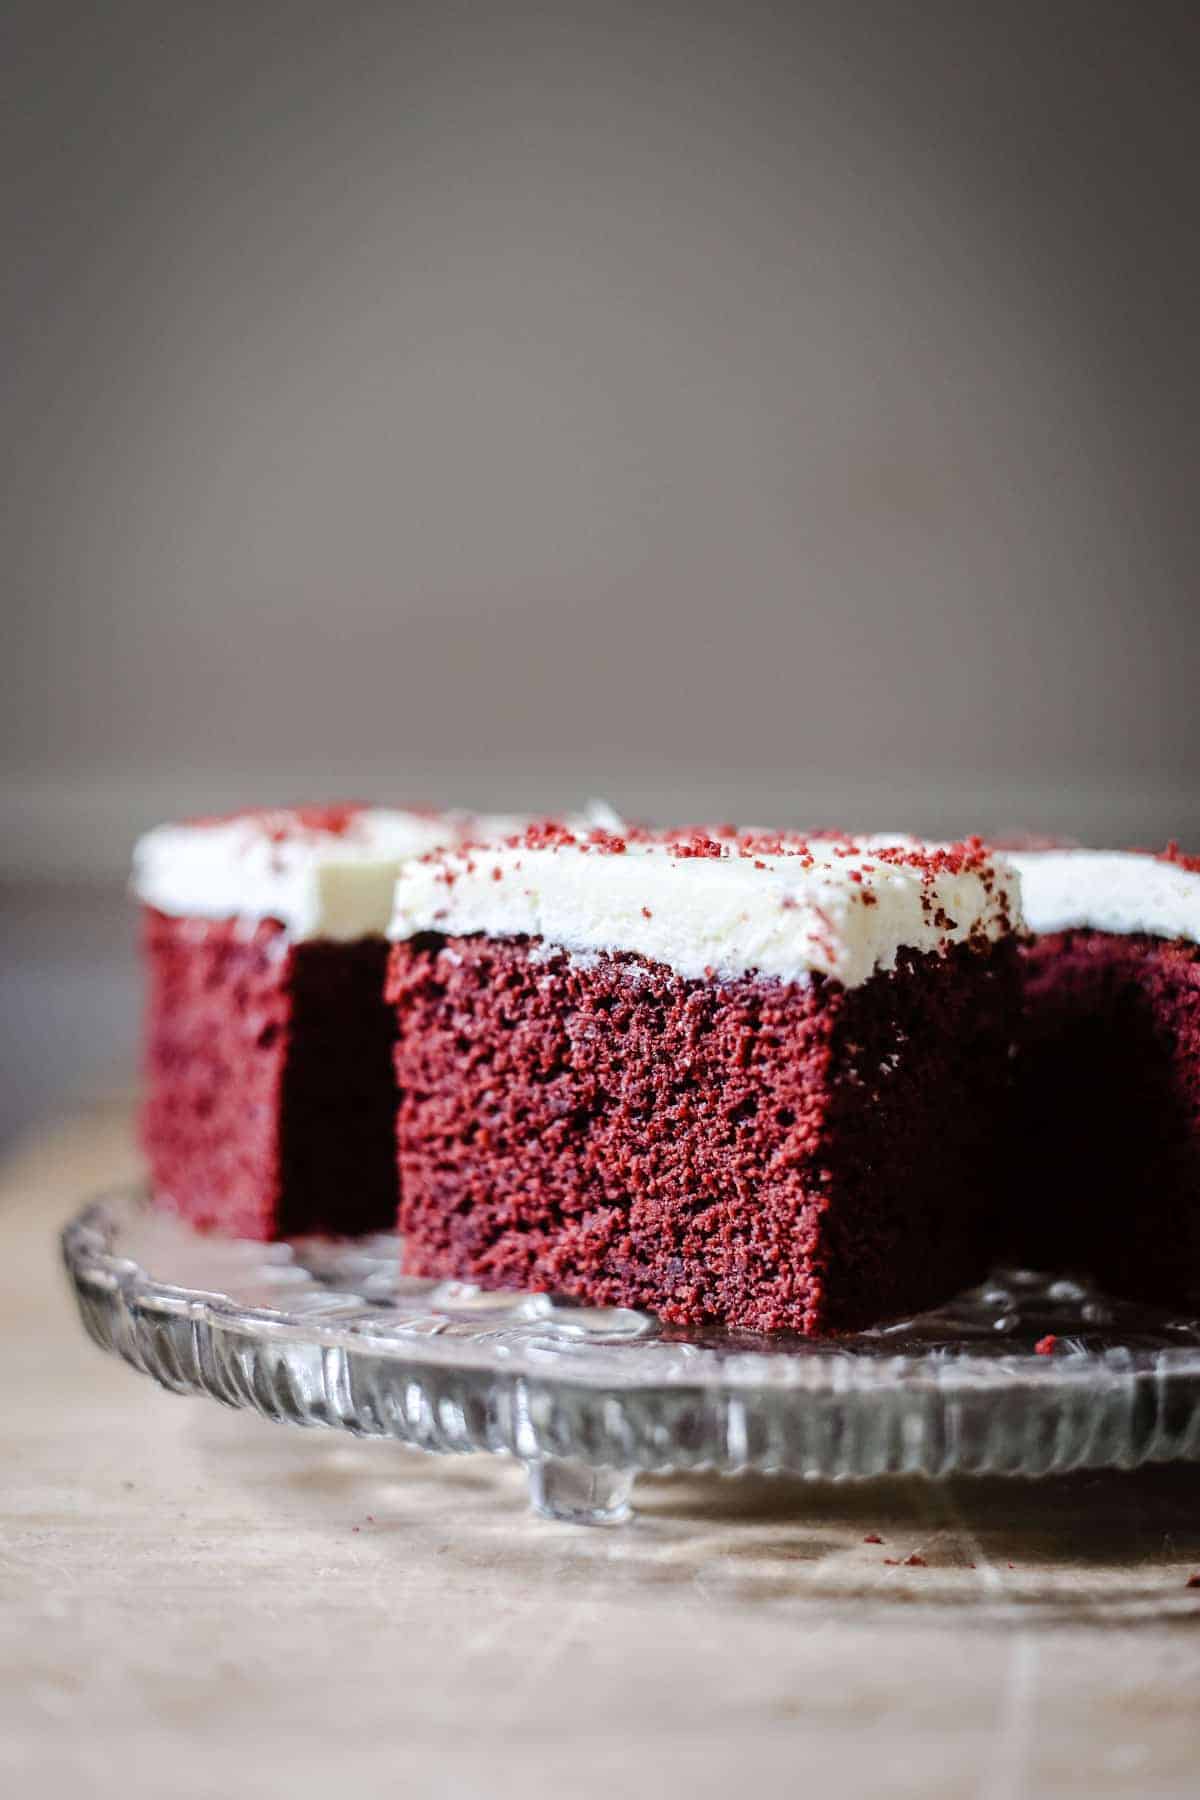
(560, 1488)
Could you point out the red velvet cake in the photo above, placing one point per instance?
(1108, 1088)
(756, 1080)
(269, 1104)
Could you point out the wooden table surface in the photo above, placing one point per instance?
(194, 1602)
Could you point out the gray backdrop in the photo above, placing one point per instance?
(788, 412)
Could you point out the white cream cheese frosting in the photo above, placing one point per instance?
(783, 908)
(1121, 891)
(321, 873)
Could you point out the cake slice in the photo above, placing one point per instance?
(269, 1104)
(1108, 1084)
(749, 1079)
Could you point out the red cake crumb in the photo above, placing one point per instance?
(280, 823)
(778, 1157)
(915, 1561)
(873, 1537)
(1193, 1581)
(314, 821)
(969, 856)
(268, 1074)
(1170, 853)
(1173, 854)
(1045, 1346)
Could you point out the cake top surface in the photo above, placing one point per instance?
(1121, 891)
(321, 871)
(716, 902)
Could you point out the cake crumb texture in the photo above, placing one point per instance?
(1107, 1135)
(269, 1097)
(774, 1156)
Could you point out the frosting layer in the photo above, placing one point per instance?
(1120, 891)
(322, 872)
(784, 907)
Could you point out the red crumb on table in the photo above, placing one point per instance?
(873, 1537)
(1045, 1346)
(1192, 1581)
(915, 1561)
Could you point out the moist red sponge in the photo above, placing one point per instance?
(1107, 1135)
(799, 1157)
(268, 1066)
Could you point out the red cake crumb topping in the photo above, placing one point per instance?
(1046, 1346)
(1193, 1581)
(1020, 842)
(1173, 854)
(699, 846)
(969, 856)
(312, 821)
(873, 1537)
(279, 824)
(550, 834)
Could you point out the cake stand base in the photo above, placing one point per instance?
(578, 1494)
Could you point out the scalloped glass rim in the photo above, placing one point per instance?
(331, 1333)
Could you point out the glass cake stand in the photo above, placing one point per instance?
(323, 1332)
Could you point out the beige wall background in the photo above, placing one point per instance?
(786, 412)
